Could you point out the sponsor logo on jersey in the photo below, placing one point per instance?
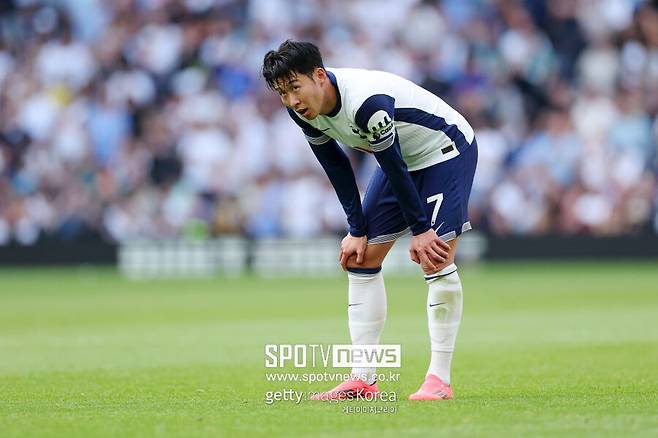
(380, 125)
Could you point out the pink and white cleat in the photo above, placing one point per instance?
(432, 389)
(351, 389)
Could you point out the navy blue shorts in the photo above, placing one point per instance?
(444, 187)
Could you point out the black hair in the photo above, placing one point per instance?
(291, 58)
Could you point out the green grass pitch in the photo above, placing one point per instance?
(544, 350)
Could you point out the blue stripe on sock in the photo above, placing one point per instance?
(365, 270)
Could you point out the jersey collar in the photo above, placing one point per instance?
(336, 109)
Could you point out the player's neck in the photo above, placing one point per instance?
(330, 98)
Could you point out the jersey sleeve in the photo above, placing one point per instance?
(339, 171)
(313, 135)
(375, 118)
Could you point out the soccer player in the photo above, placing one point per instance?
(427, 154)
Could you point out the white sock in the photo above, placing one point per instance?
(444, 313)
(366, 314)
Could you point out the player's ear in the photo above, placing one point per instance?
(320, 74)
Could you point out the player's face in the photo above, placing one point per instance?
(303, 94)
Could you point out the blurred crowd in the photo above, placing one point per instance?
(148, 119)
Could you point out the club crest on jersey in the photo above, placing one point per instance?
(358, 132)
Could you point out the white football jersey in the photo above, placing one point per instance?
(373, 106)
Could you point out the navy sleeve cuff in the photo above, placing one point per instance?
(420, 228)
(358, 232)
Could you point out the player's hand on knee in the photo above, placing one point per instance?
(352, 245)
(428, 250)
(426, 263)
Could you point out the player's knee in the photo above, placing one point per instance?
(450, 261)
(368, 262)
(438, 268)
(373, 257)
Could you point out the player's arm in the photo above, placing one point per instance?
(339, 171)
(375, 117)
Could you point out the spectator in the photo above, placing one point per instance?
(148, 119)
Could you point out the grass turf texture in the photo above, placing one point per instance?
(544, 350)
